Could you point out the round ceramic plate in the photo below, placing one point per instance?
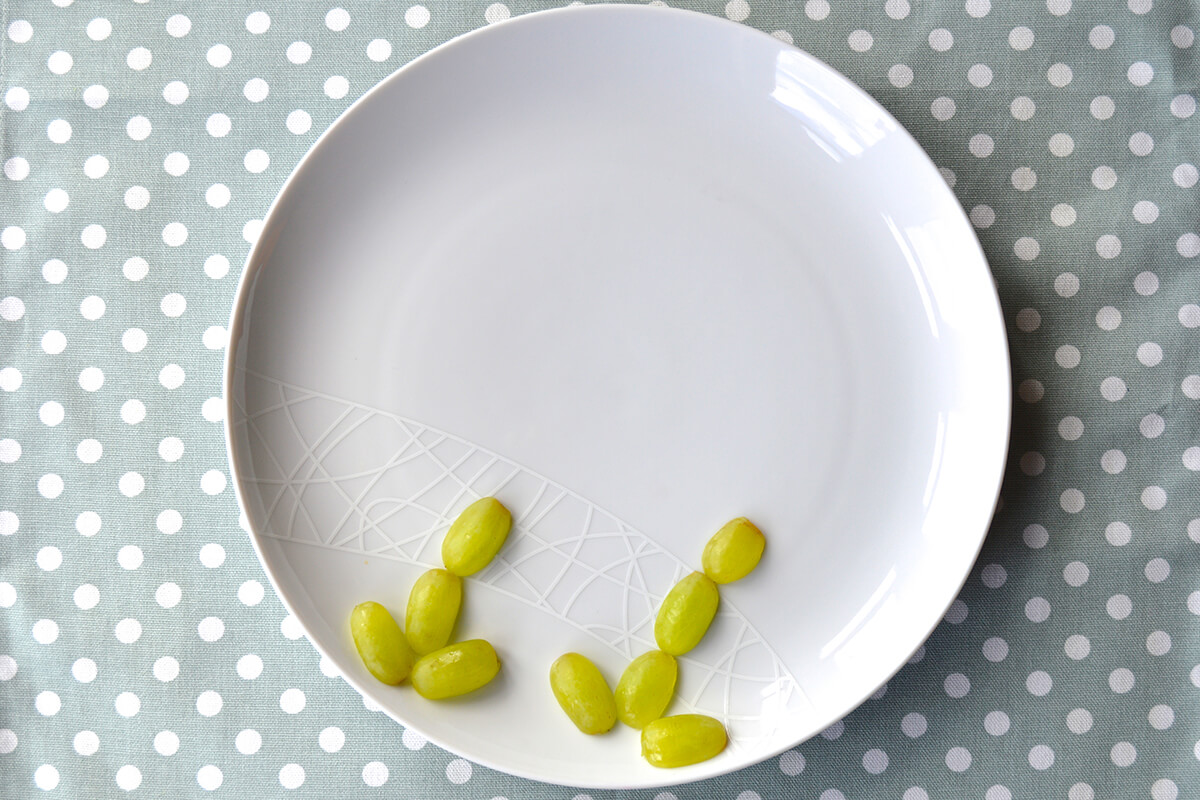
(635, 272)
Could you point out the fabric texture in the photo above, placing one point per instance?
(141, 647)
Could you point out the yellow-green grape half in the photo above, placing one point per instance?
(381, 644)
(686, 613)
(455, 670)
(476, 536)
(682, 740)
(733, 551)
(433, 606)
(646, 687)
(583, 693)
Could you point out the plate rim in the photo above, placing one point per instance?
(256, 258)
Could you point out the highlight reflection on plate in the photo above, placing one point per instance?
(634, 271)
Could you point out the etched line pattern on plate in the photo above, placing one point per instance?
(566, 556)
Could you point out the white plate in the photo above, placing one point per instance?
(635, 271)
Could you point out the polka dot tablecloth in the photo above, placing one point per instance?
(141, 649)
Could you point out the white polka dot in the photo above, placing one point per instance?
(957, 612)
(1020, 38)
(1191, 386)
(817, 10)
(1031, 390)
(87, 596)
(1161, 717)
(1123, 754)
(1118, 534)
(1113, 462)
(95, 96)
(95, 167)
(1072, 501)
(249, 666)
(209, 777)
(958, 759)
(336, 87)
(980, 75)
(1060, 75)
(1102, 107)
(211, 629)
(134, 340)
(1140, 73)
(1104, 178)
(859, 41)
(381, 49)
(1164, 789)
(1079, 721)
(291, 776)
(995, 649)
(131, 484)
(133, 411)
(217, 195)
(1070, 428)
(1102, 37)
(47, 703)
(1183, 106)
(417, 17)
(168, 595)
(941, 39)
(1158, 643)
(256, 90)
(1112, 389)
(129, 777)
(1061, 145)
(219, 55)
(332, 739)
(1077, 647)
(1076, 573)
(49, 558)
(1145, 212)
(127, 704)
(92, 307)
(1035, 536)
(1067, 356)
(252, 230)
(178, 25)
(1120, 680)
(458, 771)
(166, 669)
(1033, 463)
(1141, 144)
(175, 93)
(1022, 108)
(834, 731)
(1028, 320)
(166, 743)
(981, 145)
(1041, 757)
(171, 376)
(248, 742)
(54, 342)
(956, 685)
(50, 486)
(138, 128)
(337, 19)
(213, 482)
(45, 631)
(88, 523)
(17, 98)
(139, 58)
(299, 121)
(86, 743)
(1037, 609)
(292, 701)
(790, 763)
(942, 108)
(983, 216)
(258, 22)
(209, 703)
(250, 593)
(1188, 245)
(218, 125)
(1182, 36)
(20, 31)
(1185, 176)
(1150, 354)
(45, 777)
(874, 761)
(1154, 497)
(1024, 179)
(16, 169)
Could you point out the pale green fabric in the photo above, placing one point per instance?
(142, 648)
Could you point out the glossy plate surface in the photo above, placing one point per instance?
(634, 271)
